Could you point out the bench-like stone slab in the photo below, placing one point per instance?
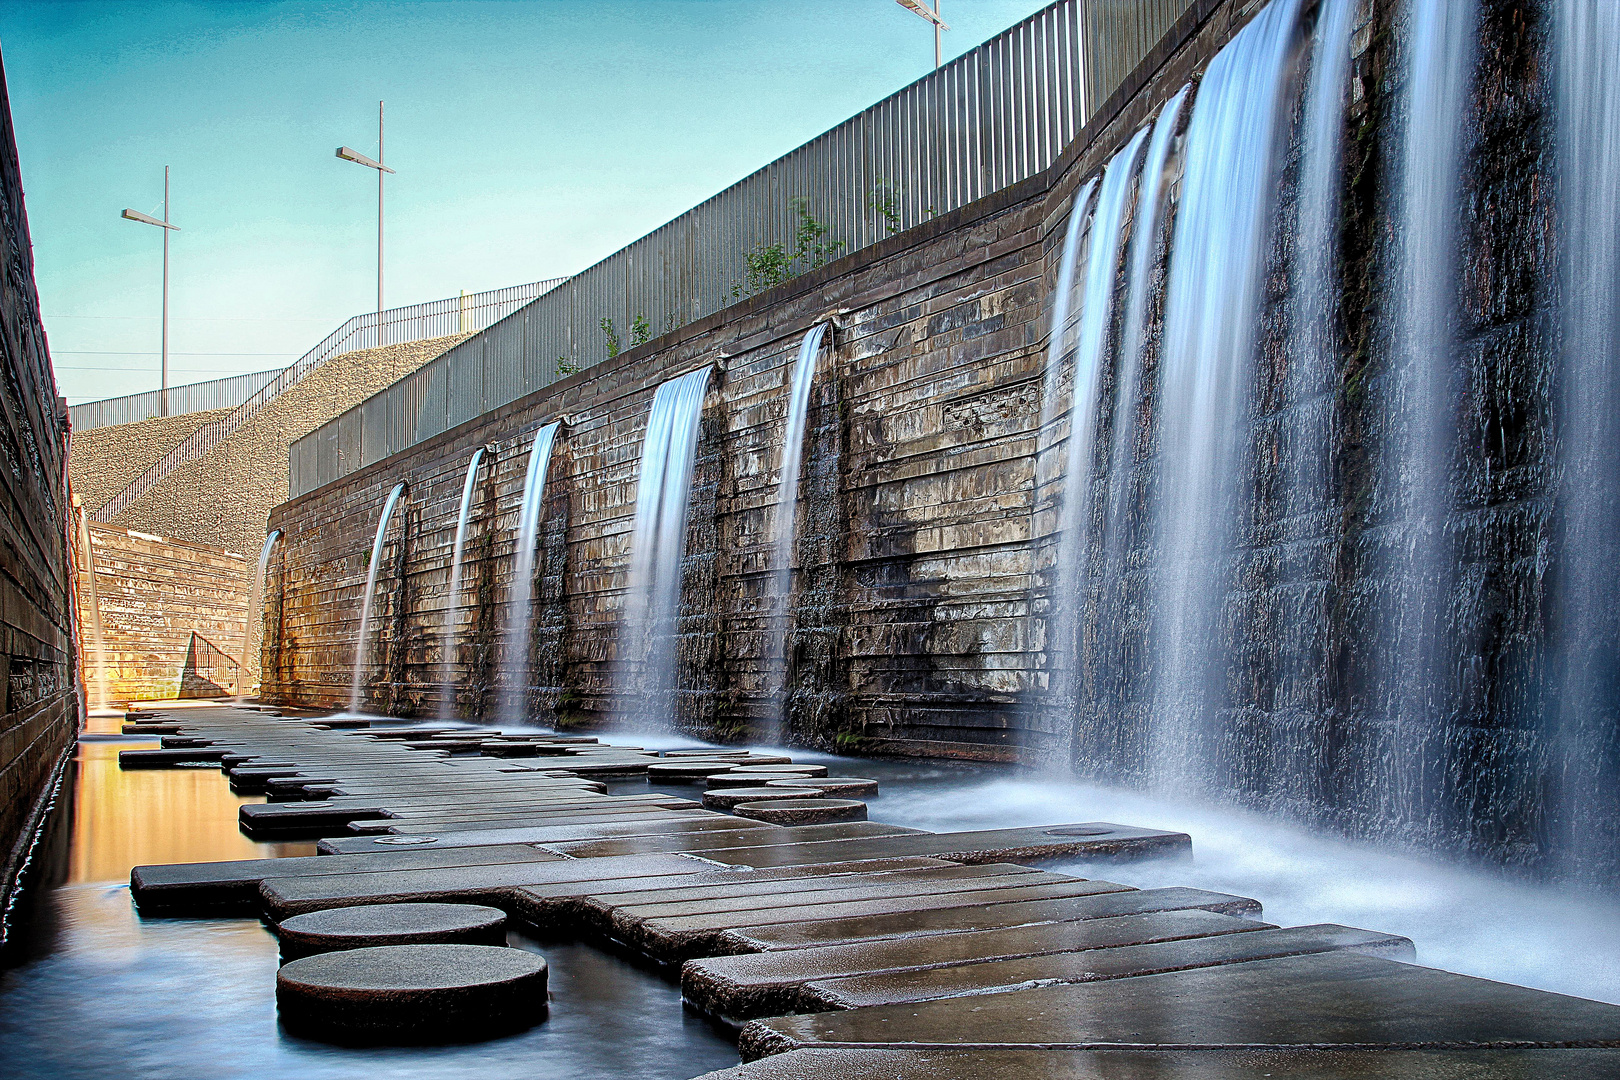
(685, 937)
(221, 887)
(1095, 965)
(412, 993)
(1035, 844)
(1546, 1064)
(752, 985)
(1318, 1001)
(743, 838)
(283, 897)
(451, 834)
(809, 811)
(990, 916)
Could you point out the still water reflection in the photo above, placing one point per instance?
(98, 991)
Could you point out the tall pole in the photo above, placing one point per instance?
(163, 404)
(936, 34)
(379, 217)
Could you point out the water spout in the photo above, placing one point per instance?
(362, 639)
(646, 677)
(254, 617)
(514, 704)
(452, 603)
(784, 524)
(1212, 306)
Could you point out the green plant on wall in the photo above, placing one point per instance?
(769, 265)
(884, 201)
(611, 337)
(566, 367)
(640, 331)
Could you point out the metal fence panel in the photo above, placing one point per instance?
(998, 114)
(175, 401)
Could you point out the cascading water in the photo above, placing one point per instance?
(362, 638)
(1584, 727)
(96, 642)
(1218, 253)
(1420, 448)
(646, 677)
(514, 704)
(452, 603)
(783, 525)
(1071, 585)
(255, 616)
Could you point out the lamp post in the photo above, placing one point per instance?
(358, 158)
(920, 7)
(167, 226)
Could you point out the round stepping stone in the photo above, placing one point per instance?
(726, 798)
(412, 993)
(836, 787)
(802, 811)
(684, 772)
(743, 779)
(787, 767)
(390, 924)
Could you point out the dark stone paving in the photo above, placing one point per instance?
(847, 949)
(336, 929)
(807, 811)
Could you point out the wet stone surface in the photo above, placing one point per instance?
(806, 811)
(391, 924)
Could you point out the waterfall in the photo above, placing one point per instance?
(96, 641)
(1421, 445)
(255, 617)
(362, 639)
(452, 604)
(784, 523)
(514, 706)
(1585, 726)
(1217, 263)
(1070, 587)
(646, 677)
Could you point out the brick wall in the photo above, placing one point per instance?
(40, 711)
(172, 616)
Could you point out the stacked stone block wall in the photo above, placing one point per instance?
(167, 609)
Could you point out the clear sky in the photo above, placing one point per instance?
(530, 138)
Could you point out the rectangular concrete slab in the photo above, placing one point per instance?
(986, 917)
(479, 834)
(188, 888)
(487, 884)
(1096, 965)
(1319, 1001)
(751, 985)
(1542, 1064)
(741, 836)
(691, 936)
(1089, 840)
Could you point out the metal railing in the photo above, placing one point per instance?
(175, 401)
(996, 115)
(395, 326)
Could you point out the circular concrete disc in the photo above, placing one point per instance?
(726, 798)
(802, 811)
(684, 771)
(742, 779)
(412, 993)
(796, 770)
(835, 787)
(391, 924)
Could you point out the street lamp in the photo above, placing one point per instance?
(360, 159)
(920, 7)
(167, 226)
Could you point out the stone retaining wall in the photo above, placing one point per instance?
(173, 615)
(911, 614)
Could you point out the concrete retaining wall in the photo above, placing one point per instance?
(172, 615)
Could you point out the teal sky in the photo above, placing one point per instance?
(530, 138)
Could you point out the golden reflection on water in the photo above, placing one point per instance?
(126, 819)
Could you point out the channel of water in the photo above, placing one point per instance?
(452, 603)
(514, 697)
(362, 637)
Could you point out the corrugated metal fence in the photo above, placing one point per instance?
(395, 326)
(988, 119)
(192, 397)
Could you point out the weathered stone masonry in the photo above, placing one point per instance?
(40, 713)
